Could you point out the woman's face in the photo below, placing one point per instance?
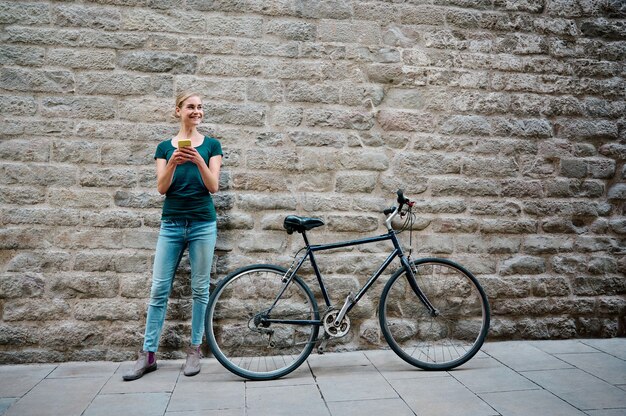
(190, 111)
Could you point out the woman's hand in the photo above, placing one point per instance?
(188, 154)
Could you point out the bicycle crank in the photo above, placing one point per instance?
(335, 330)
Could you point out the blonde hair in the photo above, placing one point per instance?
(183, 96)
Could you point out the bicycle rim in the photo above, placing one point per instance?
(245, 346)
(435, 342)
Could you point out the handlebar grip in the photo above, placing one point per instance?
(401, 199)
(388, 211)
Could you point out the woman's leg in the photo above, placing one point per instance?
(202, 240)
(169, 250)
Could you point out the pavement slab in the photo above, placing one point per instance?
(568, 377)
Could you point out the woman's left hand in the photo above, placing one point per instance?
(192, 154)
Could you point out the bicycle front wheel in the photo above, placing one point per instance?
(258, 326)
(438, 341)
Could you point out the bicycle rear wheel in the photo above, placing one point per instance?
(439, 342)
(237, 329)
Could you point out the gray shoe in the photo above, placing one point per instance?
(192, 365)
(140, 368)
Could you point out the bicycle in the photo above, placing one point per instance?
(263, 321)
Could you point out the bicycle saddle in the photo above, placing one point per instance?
(300, 224)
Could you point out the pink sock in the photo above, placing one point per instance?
(151, 358)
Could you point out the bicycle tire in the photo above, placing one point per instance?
(438, 342)
(252, 350)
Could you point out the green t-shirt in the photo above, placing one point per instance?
(187, 198)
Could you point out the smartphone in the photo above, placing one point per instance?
(184, 143)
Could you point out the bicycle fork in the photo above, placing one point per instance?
(410, 276)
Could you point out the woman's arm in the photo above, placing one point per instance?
(165, 174)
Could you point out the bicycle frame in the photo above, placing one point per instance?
(350, 301)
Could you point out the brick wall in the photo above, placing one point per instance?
(504, 119)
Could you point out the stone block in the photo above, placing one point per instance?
(92, 60)
(291, 30)
(490, 167)
(108, 310)
(286, 116)
(75, 151)
(233, 67)
(19, 237)
(21, 195)
(15, 105)
(24, 13)
(348, 32)
(28, 80)
(21, 55)
(159, 62)
(18, 335)
(318, 139)
(113, 83)
(396, 120)
(41, 216)
(522, 265)
(67, 107)
(455, 225)
(357, 223)
(464, 187)
(338, 119)
(21, 285)
(508, 226)
(500, 209)
(617, 191)
(571, 188)
(39, 261)
(550, 286)
(108, 177)
(350, 183)
(172, 21)
(36, 310)
(77, 198)
(538, 245)
(87, 17)
(235, 26)
(112, 219)
(264, 91)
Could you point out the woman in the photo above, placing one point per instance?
(187, 176)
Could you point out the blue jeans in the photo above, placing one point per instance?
(174, 237)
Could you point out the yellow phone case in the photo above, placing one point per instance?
(184, 143)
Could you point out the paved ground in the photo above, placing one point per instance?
(573, 377)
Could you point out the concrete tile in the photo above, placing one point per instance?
(391, 407)
(85, 369)
(522, 356)
(5, 404)
(613, 346)
(136, 404)
(393, 367)
(323, 372)
(441, 396)
(163, 380)
(219, 412)
(607, 412)
(338, 359)
(604, 366)
(529, 402)
(566, 346)
(62, 397)
(304, 400)
(493, 378)
(207, 395)
(302, 375)
(579, 389)
(17, 380)
(355, 386)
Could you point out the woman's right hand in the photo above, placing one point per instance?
(178, 158)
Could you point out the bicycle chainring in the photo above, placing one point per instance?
(335, 331)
